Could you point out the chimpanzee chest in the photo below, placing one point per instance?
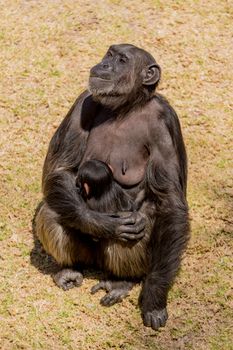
(123, 145)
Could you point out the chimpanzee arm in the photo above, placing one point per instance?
(68, 144)
(62, 196)
(166, 183)
(65, 153)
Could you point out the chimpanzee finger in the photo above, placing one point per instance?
(104, 285)
(113, 297)
(96, 288)
(134, 229)
(131, 237)
(118, 215)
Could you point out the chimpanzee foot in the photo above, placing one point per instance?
(116, 291)
(68, 278)
(155, 318)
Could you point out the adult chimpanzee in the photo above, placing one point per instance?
(123, 123)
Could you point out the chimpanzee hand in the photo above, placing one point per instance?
(130, 227)
(155, 319)
(123, 226)
(153, 304)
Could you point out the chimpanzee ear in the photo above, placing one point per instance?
(151, 75)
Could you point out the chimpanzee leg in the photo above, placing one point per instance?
(65, 247)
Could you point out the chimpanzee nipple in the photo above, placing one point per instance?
(124, 167)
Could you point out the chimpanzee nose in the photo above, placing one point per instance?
(106, 66)
(101, 70)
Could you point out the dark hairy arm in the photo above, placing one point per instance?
(166, 182)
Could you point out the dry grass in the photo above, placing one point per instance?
(47, 48)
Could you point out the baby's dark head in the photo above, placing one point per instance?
(94, 178)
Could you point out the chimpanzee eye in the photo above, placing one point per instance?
(109, 54)
(123, 59)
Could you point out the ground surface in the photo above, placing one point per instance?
(47, 48)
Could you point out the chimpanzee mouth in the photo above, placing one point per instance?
(93, 78)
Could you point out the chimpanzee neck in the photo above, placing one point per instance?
(130, 105)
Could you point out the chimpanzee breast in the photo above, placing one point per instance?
(121, 143)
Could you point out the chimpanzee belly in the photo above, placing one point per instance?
(126, 260)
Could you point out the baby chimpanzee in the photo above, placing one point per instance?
(98, 188)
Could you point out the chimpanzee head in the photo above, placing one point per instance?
(126, 74)
(94, 178)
